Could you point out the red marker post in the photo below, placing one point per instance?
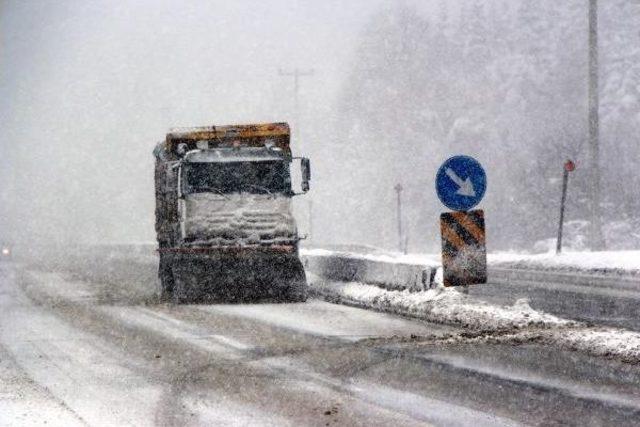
(569, 166)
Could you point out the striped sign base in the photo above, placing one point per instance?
(464, 254)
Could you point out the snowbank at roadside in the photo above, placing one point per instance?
(440, 305)
(607, 342)
(618, 344)
(518, 323)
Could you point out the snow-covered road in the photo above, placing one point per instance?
(601, 288)
(81, 353)
(610, 299)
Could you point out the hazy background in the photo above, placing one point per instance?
(88, 87)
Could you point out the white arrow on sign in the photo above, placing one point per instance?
(466, 187)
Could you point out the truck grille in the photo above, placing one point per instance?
(241, 227)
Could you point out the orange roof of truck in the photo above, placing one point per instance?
(255, 135)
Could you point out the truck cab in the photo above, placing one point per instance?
(223, 214)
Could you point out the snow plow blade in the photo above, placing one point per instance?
(228, 278)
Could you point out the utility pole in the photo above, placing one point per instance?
(399, 189)
(310, 222)
(569, 166)
(296, 74)
(596, 238)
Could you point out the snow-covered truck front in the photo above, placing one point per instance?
(224, 222)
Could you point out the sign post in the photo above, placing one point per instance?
(399, 189)
(461, 183)
(569, 166)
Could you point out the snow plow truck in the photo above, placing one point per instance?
(224, 222)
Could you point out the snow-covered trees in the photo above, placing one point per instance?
(620, 104)
(506, 82)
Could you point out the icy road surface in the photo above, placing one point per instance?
(80, 353)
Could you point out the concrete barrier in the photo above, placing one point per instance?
(346, 267)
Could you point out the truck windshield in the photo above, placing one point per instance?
(262, 177)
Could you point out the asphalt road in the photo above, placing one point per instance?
(609, 300)
(80, 353)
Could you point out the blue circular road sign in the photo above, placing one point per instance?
(461, 183)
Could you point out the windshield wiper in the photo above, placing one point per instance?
(220, 192)
(259, 187)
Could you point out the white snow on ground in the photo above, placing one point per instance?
(25, 403)
(440, 305)
(438, 412)
(610, 260)
(619, 344)
(98, 382)
(323, 319)
(428, 410)
(216, 410)
(449, 306)
(443, 305)
(608, 342)
(159, 322)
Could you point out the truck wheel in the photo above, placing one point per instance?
(297, 290)
(167, 282)
(179, 290)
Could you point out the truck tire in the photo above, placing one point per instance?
(297, 289)
(166, 279)
(186, 289)
(179, 294)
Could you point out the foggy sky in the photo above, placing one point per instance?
(88, 87)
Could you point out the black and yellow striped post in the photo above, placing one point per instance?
(464, 253)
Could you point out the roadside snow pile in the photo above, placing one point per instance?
(618, 344)
(516, 324)
(607, 342)
(622, 262)
(438, 305)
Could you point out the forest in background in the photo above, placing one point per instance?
(505, 82)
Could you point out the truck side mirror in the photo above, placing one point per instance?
(305, 166)
(177, 171)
